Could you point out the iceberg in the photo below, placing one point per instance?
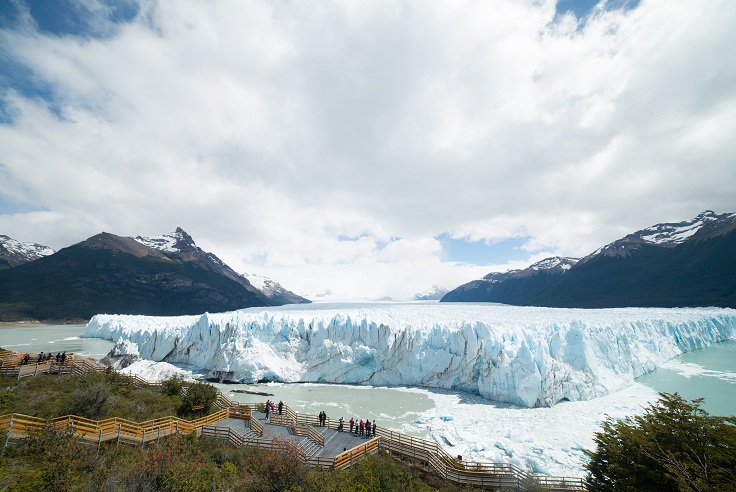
(526, 356)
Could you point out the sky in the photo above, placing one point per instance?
(365, 149)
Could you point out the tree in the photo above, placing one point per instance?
(198, 394)
(673, 446)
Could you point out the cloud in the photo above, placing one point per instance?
(327, 144)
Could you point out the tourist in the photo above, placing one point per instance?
(339, 426)
(281, 407)
(63, 358)
(362, 427)
(374, 428)
(367, 428)
(40, 358)
(268, 407)
(352, 424)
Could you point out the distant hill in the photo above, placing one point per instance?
(689, 263)
(274, 290)
(435, 294)
(165, 275)
(14, 253)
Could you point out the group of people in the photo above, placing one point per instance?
(59, 358)
(363, 428)
(270, 407)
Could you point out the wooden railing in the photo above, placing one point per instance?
(18, 427)
(477, 474)
(256, 426)
(315, 436)
(347, 458)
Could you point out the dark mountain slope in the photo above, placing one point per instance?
(514, 287)
(113, 274)
(694, 273)
(685, 264)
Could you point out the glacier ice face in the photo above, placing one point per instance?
(532, 357)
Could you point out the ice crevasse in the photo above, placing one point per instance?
(526, 356)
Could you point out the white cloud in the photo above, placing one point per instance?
(274, 131)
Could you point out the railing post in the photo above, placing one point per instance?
(10, 430)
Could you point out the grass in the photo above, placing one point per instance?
(94, 396)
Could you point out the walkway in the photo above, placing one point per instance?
(335, 442)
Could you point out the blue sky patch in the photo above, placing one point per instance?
(480, 252)
(581, 8)
(69, 17)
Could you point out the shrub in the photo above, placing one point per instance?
(674, 445)
(198, 394)
(172, 386)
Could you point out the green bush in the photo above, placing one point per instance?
(172, 386)
(673, 446)
(197, 394)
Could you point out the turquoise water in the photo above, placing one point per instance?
(709, 373)
(52, 338)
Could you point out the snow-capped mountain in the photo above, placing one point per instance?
(689, 263)
(435, 294)
(162, 275)
(553, 265)
(668, 235)
(509, 286)
(14, 253)
(273, 290)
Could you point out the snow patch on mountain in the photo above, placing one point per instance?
(17, 252)
(532, 357)
(676, 233)
(165, 242)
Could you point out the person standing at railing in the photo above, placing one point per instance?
(374, 428)
(362, 427)
(339, 426)
(268, 407)
(281, 407)
(367, 428)
(352, 424)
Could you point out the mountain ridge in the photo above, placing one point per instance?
(166, 275)
(685, 264)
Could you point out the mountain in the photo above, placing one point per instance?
(683, 264)
(164, 275)
(273, 290)
(435, 294)
(14, 253)
(515, 286)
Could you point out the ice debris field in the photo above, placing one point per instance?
(531, 357)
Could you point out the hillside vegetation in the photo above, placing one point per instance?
(53, 460)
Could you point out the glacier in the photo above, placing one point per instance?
(526, 356)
